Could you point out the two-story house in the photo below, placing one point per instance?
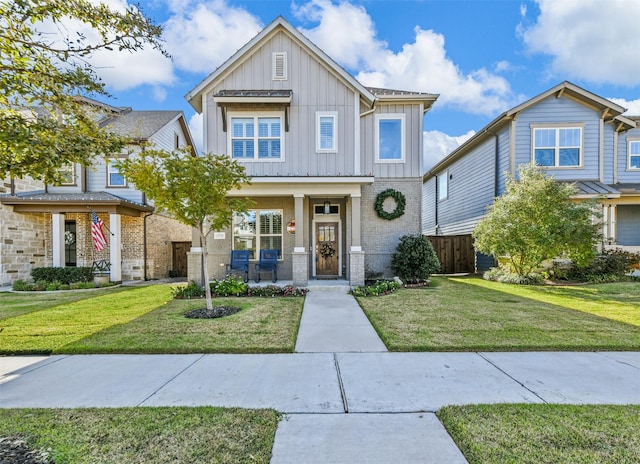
(47, 225)
(320, 148)
(575, 135)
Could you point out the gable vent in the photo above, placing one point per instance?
(280, 66)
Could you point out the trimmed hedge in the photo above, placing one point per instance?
(64, 275)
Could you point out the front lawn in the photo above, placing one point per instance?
(145, 435)
(545, 433)
(470, 314)
(143, 320)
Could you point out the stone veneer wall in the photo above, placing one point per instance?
(380, 237)
(161, 232)
(22, 236)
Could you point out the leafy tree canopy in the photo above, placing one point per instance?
(193, 189)
(535, 220)
(43, 125)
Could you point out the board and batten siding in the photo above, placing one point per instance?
(315, 88)
(561, 111)
(625, 175)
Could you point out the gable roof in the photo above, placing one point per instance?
(194, 97)
(611, 111)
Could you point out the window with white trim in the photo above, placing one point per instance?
(256, 138)
(114, 177)
(389, 133)
(279, 66)
(68, 173)
(634, 154)
(557, 146)
(443, 186)
(326, 132)
(258, 230)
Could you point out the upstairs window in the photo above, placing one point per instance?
(256, 138)
(68, 173)
(326, 137)
(634, 154)
(389, 138)
(557, 146)
(114, 177)
(279, 66)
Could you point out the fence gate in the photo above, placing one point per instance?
(455, 252)
(180, 250)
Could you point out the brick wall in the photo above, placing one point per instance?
(161, 232)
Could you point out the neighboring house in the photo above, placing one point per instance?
(319, 148)
(575, 135)
(46, 225)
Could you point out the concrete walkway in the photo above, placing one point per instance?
(340, 405)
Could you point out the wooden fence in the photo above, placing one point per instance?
(455, 252)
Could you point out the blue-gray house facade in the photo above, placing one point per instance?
(574, 135)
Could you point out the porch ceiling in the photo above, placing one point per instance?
(309, 186)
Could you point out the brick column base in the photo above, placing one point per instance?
(300, 261)
(194, 266)
(356, 268)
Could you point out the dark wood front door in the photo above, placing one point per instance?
(327, 249)
(180, 250)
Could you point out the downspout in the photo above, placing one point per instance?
(144, 244)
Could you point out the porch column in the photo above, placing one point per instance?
(356, 255)
(57, 229)
(115, 247)
(300, 256)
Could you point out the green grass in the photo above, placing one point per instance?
(264, 325)
(470, 314)
(543, 433)
(145, 435)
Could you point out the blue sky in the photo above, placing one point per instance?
(482, 56)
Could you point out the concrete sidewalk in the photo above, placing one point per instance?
(345, 399)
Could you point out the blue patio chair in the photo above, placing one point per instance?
(239, 263)
(268, 263)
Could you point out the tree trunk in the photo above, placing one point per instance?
(205, 266)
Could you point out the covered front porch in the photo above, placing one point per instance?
(314, 223)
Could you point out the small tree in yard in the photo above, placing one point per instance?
(194, 189)
(536, 220)
(414, 259)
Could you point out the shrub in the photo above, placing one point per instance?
(191, 290)
(229, 286)
(381, 287)
(65, 275)
(504, 276)
(414, 259)
(22, 286)
(609, 266)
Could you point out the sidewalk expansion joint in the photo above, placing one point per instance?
(345, 403)
(170, 380)
(512, 377)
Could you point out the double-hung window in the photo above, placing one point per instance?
(557, 146)
(114, 177)
(258, 230)
(326, 132)
(634, 154)
(256, 138)
(389, 133)
(68, 173)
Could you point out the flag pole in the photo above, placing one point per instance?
(108, 230)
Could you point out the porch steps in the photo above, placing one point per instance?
(333, 286)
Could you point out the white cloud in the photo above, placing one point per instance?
(632, 106)
(201, 35)
(347, 33)
(587, 39)
(437, 145)
(196, 128)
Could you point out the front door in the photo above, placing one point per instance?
(327, 249)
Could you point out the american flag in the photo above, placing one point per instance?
(99, 239)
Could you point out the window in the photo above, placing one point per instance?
(256, 138)
(443, 186)
(634, 154)
(390, 138)
(557, 146)
(258, 230)
(279, 66)
(326, 137)
(114, 178)
(68, 173)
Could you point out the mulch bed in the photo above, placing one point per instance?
(217, 311)
(14, 450)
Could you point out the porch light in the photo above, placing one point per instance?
(327, 207)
